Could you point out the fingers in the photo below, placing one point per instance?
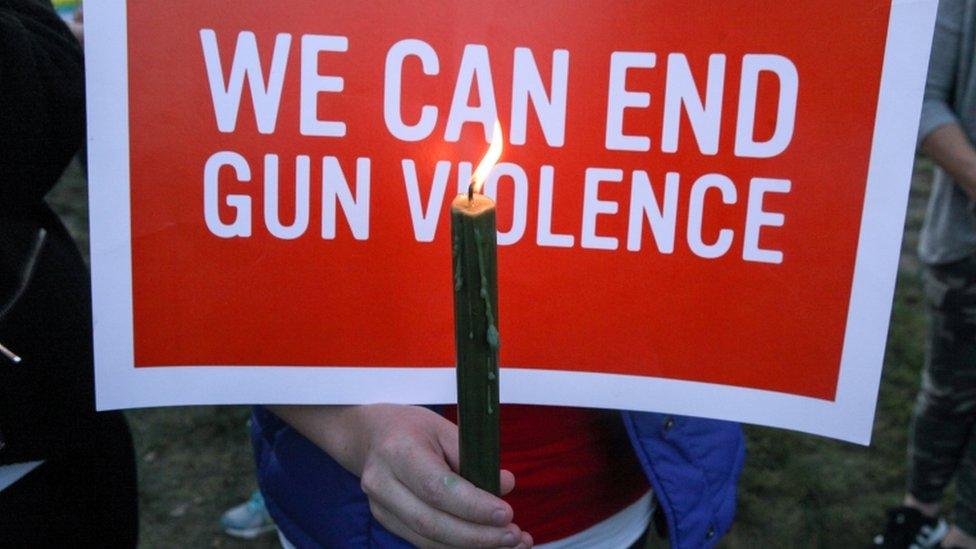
(393, 524)
(413, 491)
(427, 476)
(406, 515)
(447, 437)
(507, 481)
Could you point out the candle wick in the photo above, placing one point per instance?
(470, 192)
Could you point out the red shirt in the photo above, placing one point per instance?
(574, 467)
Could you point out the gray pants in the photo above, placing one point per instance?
(942, 445)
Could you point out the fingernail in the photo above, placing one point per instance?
(509, 539)
(499, 517)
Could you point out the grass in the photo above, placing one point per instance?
(796, 490)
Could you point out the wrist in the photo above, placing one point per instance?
(339, 431)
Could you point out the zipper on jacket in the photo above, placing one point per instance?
(11, 356)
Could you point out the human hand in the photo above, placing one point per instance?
(410, 476)
(950, 147)
(407, 460)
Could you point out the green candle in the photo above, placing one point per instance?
(476, 337)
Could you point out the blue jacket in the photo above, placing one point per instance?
(692, 464)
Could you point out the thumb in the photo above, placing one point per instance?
(447, 437)
(507, 481)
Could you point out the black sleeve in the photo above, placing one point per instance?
(46, 401)
(42, 106)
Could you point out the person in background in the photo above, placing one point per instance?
(73, 14)
(942, 445)
(67, 473)
(249, 519)
(66, 9)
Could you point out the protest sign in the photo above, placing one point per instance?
(700, 204)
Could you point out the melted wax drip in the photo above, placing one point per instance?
(493, 338)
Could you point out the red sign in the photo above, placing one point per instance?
(679, 196)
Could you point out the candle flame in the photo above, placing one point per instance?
(483, 170)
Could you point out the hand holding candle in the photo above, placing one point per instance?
(474, 256)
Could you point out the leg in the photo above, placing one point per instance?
(946, 405)
(964, 535)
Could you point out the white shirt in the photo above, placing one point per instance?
(617, 532)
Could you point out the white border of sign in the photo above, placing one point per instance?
(849, 417)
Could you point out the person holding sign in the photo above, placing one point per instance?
(942, 445)
(386, 475)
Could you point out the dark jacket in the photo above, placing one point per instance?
(47, 400)
(84, 493)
